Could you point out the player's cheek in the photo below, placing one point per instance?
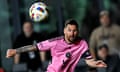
(75, 33)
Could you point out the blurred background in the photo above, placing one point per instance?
(13, 14)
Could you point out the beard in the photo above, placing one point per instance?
(72, 39)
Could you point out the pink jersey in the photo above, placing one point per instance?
(59, 48)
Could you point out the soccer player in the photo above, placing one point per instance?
(66, 50)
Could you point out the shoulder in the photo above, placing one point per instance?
(56, 38)
(115, 26)
(83, 45)
(35, 34)
(20, 36)
(82, 41)
(114, 58)
(96, 30)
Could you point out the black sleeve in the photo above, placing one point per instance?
(117, 68)
(87, 55)
(17, 42)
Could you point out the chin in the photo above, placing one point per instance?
(72, 40)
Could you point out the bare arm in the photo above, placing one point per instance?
(93, 63)
(12, 52)
(26, 49)
(16, 58)
(42, 56)
(43, 46)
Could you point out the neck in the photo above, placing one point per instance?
(69, 42)
(107, 26)
(27, 35)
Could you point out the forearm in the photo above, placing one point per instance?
(95, 63)
(26, 49)
(42, 56)
(16, 58)
(90, 62)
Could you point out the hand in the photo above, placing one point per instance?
(100, 64)
(94, 63)
(10, 53)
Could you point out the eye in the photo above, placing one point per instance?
(73, 30)
(69, 30)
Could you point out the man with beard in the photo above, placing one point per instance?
(66, 50)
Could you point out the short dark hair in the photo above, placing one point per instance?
(71, 22)
(103, 46)
(30, 22)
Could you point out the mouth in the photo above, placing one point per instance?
(72, 38)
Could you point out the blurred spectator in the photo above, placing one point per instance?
(107, 33)
(112, 61)
(28, 37)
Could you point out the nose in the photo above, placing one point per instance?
(72, 33)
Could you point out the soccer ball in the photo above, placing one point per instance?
(38, 11)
